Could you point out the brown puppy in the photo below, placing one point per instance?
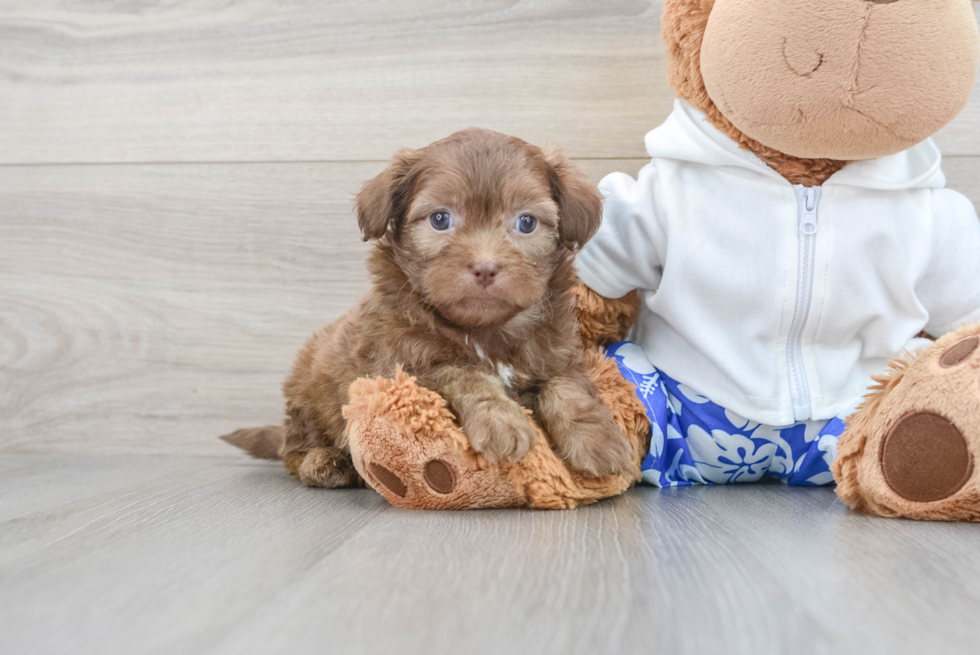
(472, 277)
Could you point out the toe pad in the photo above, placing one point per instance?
(388, 479)
(440, 476)
(959, 353)
(925, 458)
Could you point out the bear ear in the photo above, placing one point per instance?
(383, 201)
(579, 202)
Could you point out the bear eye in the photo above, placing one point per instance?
(527, 224)
(441, 221)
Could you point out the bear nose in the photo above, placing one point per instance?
(484, 272)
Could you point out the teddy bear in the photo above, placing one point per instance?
(800, 293)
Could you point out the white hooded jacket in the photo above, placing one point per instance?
(778, 302)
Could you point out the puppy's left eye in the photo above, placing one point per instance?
(441, 221)
(527, 224)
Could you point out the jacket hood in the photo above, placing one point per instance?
(687, 135)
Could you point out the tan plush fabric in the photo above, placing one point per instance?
(684, 24)
(924, 385)
(846, 80)
(397, 429)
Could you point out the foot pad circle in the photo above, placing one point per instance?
(925, 458)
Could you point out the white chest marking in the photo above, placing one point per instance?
(505, 372)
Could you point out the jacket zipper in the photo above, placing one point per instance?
(808, 200)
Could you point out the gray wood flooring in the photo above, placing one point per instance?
(169, 554)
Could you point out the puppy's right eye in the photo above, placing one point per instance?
(441, 221)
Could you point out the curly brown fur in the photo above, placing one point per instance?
(481, 312)
(683, 25)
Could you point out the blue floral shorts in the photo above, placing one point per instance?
(695, 441)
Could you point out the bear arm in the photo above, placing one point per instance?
(604, 321)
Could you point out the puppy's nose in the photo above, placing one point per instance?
(484, 272)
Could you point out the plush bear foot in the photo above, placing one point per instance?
(909, 450)
(405, 443)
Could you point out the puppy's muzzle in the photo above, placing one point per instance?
(484, 272)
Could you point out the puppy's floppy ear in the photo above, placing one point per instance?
(579, 202)
(384, 200)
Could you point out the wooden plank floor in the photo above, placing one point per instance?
(336, 80)
(170, 554)
(175, 219)
(287, 80)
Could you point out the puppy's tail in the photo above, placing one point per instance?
(263, 443)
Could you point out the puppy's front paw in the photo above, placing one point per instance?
(594, 445)
(500, 431)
